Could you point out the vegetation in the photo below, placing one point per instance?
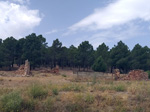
(99, 65)
(11, 102)
(148, 74)
(37, 91)
(55, 91)
(116, 96)
(35, 49)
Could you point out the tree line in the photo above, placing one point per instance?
(35, 48)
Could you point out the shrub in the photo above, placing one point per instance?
(37, 91)
(11, 102)
(55, 91)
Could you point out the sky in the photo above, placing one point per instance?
(75, 21)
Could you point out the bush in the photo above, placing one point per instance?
(37, 91)
(55, 91)
(11, 102)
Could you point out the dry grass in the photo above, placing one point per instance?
(56, 93)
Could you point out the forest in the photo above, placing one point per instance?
(35, 48)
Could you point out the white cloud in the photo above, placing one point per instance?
(112, 35)
(17, 20)
(22, 1)
(52, 31)
(115, 34)
(117, 13)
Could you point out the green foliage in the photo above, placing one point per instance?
(11, 102)
(55, 91)
(99, 65)
(85, 54)
(37, 91)
(34, 48)
(140, 57)
(148, 74)
(102, 51)
(72, 56)
(119, 56)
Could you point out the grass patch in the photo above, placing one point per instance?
(120, 88)
(11, 102)
(64, 75)
(110, 87)
(94, 80)
(89, 98)
(37, 91)
(73, 87)
(28, 104)
(55, 91)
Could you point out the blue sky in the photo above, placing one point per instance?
(74, 21)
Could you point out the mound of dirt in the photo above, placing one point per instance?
(136, 75)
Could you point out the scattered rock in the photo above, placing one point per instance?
(136, 75)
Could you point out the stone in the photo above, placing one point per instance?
(117, 74)
(27, 68)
